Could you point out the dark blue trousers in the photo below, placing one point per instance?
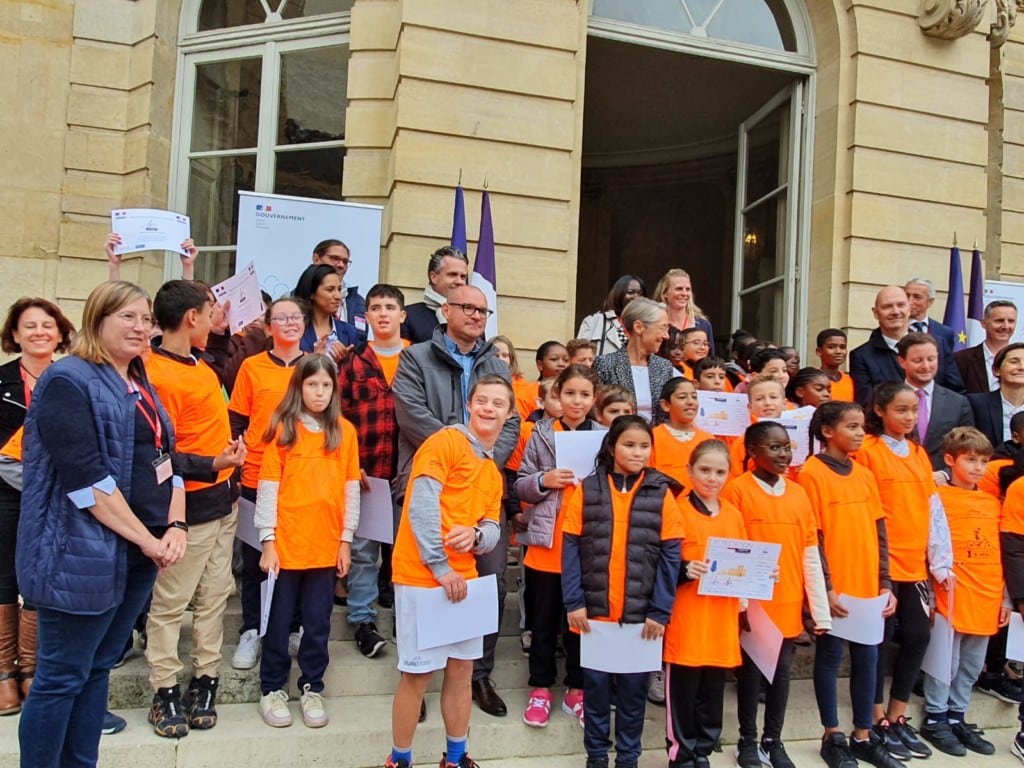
(630, 707)
(315, 588)
(828, 653)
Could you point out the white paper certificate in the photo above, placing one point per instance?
(722, 413)
(266, 598)
(376, 514)
(940, 661)
(577, 450)
(439, 621)
(739, 568)
(246, 530)
(149, 229)
(797, 423)
(243, 291)
(865, 623)
(1015, 638)
(619, 648)
(763, 642)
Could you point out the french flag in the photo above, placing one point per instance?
(484, 274)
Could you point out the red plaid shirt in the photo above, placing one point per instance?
(367, 401)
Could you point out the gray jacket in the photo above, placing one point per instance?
(428, 397)
(542, 512)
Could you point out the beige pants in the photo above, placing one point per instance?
(205, 573)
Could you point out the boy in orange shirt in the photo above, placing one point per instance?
(766, 399)
(831, 351)
(451, 513)
(976, 608)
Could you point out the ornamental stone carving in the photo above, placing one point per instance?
(951, 19)
(1006, 17)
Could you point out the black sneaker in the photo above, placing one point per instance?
(464, 762)
(369, 640)
(1017, 747)
(1000, 687)
(835, 751)
(167, 715)
(112, 724)
(873, 751)
(597, 762)
(943, 739)
(891, 740)
(201, 702)
(772, 752)
(972, 739)
(701, 761)
(746, 754)
(906, 733)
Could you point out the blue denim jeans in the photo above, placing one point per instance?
(828, 654)
(362, 580)
(60, 724)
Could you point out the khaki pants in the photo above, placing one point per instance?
(205, 573)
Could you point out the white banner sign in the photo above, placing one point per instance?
(277, 233)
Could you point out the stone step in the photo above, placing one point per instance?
(359, 736)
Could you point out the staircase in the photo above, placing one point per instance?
(359, 691)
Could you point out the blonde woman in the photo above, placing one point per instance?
(676, 291)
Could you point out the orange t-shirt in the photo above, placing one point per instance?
(389, 363)
(906, 487)
(311, 495)
(259, 389)
(622, 504)
(471, 492)
(704, 631)
(526, 393)
(990, 482)
(549, 559)
(846, 511)
(737, 465)
(974, 529)
(12, 449)
(672, 456)
(1013, 509)
(787, 520)
(192, 395)
(843, 389)
(515, 459)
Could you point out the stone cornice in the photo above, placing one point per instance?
(952, 19)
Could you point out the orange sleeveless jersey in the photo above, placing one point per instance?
(1013, 509)
(906, 487)
(470, 492)
(974, 529)
(311, 495)
(549, 559)
(846, 511)
(787, 520)
(671, 456)
(704, 630)
(990, 482)
(259, 388)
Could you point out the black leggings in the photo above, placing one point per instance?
(748, 688)
(914, 633)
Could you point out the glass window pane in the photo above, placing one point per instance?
(764, 251)
(310, 173)
(227, 105)
(213, 187)
(218, 14)
(296, 9)
(762, 313)
(768, 154)
(314, 84)
(213, 267)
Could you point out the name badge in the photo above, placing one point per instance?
(359, 322)
(162, 467)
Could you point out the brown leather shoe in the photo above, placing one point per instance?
(487, 698)
(10, 699)
(28, 633)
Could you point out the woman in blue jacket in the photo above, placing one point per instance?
(320, 287)
(101, 511)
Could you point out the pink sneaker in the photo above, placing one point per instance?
(572, 704)
(538, 709)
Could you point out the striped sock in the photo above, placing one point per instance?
(398, 755)
(455, 749)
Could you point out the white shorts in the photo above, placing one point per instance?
(410, 658)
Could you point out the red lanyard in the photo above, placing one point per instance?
(152, 419)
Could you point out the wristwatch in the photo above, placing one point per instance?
(181, 525)
(478, 536)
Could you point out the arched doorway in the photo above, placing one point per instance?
(696, 155)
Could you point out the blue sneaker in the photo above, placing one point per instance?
(113, 724)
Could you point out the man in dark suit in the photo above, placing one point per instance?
(975, 363)
(993, 410)
(448, 268)
(939, 409)
(874, 361)
(921, 295)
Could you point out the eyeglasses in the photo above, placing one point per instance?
(472, 309)
(286, 319)
(338, 261)
(698, 343)
(130, 320)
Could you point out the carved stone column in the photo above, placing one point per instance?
(952, 19)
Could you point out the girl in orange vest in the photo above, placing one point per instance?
(698, 659)
(852, 538)
(777, 510)
(307, 511)
(675, 439)
(919, 542)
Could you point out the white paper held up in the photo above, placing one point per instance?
(619, 648)
(440, 621)
(149, 229)
(764, 640)
(266, 598)
(376, 514)
(243, 291)
(739, 568)
(722, 413)
(865, 623)
(939, 661)
(577, 450)
(1015, 638)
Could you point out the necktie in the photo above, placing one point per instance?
(922, 414)
(919, 326)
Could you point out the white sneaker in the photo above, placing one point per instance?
(656, 687)
(293, 642)
(313, 714)
(274, 709)
(248, 651)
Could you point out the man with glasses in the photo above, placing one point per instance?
(431, 390)
(448, 268)
(335, 253)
